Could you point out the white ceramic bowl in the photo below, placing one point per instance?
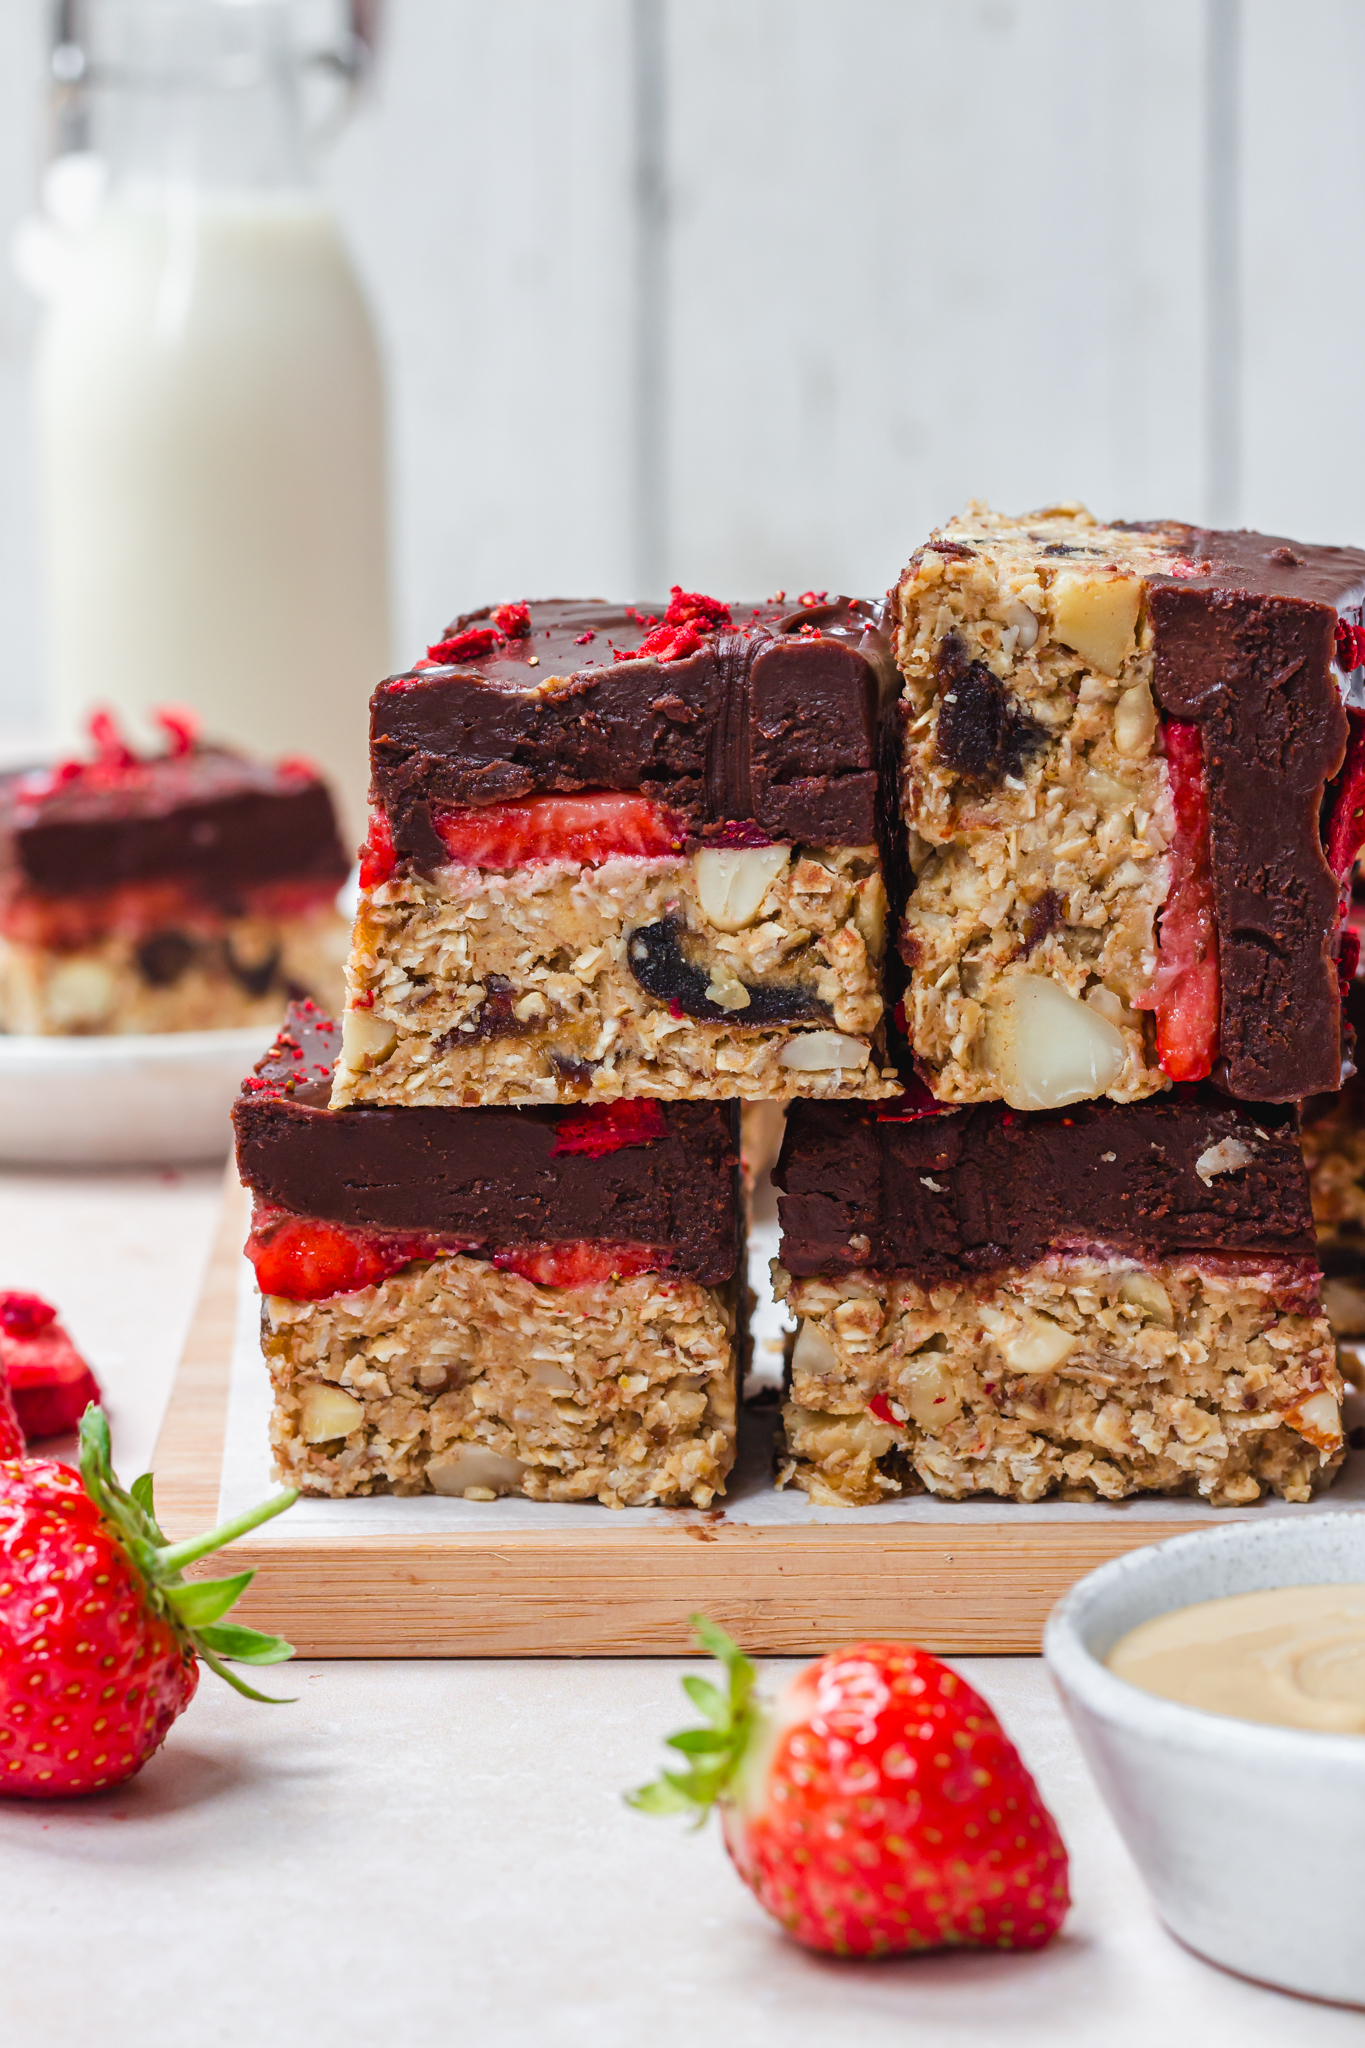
(1251, 1839)
(157, 1100)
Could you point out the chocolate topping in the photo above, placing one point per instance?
(773, 723)
(1244, 649)
(483, 1177)
(217, 820)
(983, 1189)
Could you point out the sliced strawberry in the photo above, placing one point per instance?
(585, 830)
(605, 1127)
(1185, 990)
(1346, 827)
(303, 1259)
(580, 1263)
(377, 858)
(877, 1808)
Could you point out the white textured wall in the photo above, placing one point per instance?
(912, 250)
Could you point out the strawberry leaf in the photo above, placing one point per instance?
(245, 1645)
(719, 1749)
(197, 1601)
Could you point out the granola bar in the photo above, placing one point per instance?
(539, 1301)
(1128, 821)
(183, 891)
(1122, 1300)
(616, 857)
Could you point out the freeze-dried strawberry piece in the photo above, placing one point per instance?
(1350, 646)
(111, 748)
(512, 619)
(1185, 991)
(51, 1384)
(680, 632)
(24, 1315)
(580, 1263)
(917, 1101)
(583, 829)
(181, 727)
(377, 858)
(881, 1408)
(471, 645)
(605, 1127)
(1346, 827)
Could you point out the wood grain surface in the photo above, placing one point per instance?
(623, 1591)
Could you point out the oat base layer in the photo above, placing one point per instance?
(1084, 1376)
(454, 1378)
(1050, 858)
(487, 988)
(206, 976)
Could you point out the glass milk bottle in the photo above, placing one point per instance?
(210, 407)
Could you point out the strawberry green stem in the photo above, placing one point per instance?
(194, 1608)
(713, 1754)
(175, 1556)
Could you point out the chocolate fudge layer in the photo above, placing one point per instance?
(497, 1178)
(181, 891)
(611, 856)
(478, 1302)
(1119, 746)
(1123, 1299)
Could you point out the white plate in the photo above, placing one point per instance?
(160, 1099)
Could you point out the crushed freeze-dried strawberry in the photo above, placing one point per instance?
(690, 615)
(1346, 827)
(1348, 959)
(580, 1263)
(512, 619)
(23, 1315)
(377, 857)
(1182, 567)
(1350, 646)
(1185, 991)
(584, 639)
(605, 1127)
(587, 830)
(813, 597)
(881, 1408)
(471, 645)
(111, 748)
(181, 727)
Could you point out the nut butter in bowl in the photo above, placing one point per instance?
(1217, 1686)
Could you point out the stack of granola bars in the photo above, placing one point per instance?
(1076, 807)
(624, 873)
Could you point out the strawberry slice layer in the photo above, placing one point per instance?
(582, 1262)
(605, 1127)
(1185, 991)
(585, 830)
(1346, 827)
(302, 1258)
(377, 857)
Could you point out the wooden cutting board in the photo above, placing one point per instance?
(625, 1589)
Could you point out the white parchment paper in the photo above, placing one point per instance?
(248, 1475)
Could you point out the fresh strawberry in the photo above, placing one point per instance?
(582, 1262)
(1185, 990)
(11, 1436)
(877, 1807)
(101, 1634)
(51, 1383)
(585, 829)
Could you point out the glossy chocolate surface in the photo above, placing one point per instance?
(218, 820)
(982, 1189)
(484, 1177)
(773, 723)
